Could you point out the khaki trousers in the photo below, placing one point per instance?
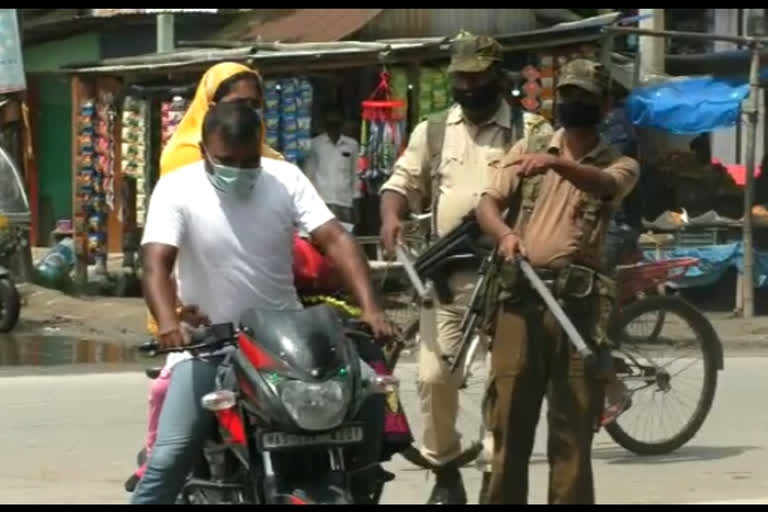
(438, 388)
(531, 357)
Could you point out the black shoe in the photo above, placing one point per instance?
(449, 488)
(131, 483)
(482, 499)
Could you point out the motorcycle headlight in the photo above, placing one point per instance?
(316, 405)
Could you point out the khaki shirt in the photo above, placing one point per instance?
(553, 235)
(468, 150)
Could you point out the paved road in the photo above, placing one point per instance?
(70, 435)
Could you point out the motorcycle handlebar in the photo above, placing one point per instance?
(213, 337)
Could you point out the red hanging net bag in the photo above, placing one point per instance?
(382, 136)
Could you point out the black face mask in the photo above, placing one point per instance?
(577, 114)
(478, 100)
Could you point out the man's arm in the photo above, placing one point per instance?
(163, 233)
(488, 213)
(588, 178)
(406, 187)
(394, 206)
(310, 164)
(609, 183)
(159, 292)
(408, 181)
(345, 255)
(502, 182)
(356, 191)
(312, 214)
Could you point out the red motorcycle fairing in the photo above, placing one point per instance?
(232, 426)
(307, 344)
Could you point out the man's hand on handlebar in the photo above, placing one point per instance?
(192, 315)
(382, 327)
(510, 246)
(171, 337)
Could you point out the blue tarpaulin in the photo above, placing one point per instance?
(691, 105)
(714, 261)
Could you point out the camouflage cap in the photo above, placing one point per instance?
(585, 74)
(472, 53)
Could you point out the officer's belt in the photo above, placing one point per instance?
(571, 282)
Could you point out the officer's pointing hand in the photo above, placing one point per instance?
(533, 164)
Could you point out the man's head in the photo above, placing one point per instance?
(231, 145)
(582, 94)
(477, 77)
(333, 123)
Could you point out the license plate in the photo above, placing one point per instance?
(350, 434)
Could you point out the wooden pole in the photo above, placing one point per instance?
(750, 110)
(165, 32)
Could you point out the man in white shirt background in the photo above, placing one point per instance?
(331, 166)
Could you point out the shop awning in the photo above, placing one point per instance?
(298, 25)
(572, 32)
(690, 105)
(341, 53)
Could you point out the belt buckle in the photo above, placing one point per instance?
(571, 274)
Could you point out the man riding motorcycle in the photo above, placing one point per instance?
(229, 238)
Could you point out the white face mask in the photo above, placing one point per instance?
(233, 180)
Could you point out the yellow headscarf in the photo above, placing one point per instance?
(184, 146)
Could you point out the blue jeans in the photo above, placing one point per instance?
(182, 431)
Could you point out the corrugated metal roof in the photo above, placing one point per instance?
(108, 13)
(588, 29)
(438, 22)
(196, 57)
(309, 25)
(175, 59)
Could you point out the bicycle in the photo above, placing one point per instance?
(635, 367)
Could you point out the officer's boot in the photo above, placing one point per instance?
(449, 487)
(482, 499)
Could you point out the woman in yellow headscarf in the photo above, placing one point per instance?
(227, 81)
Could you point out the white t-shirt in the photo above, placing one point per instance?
(234, 253)
(332, 168)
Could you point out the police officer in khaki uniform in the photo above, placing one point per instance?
(566, 189)
(449, 170)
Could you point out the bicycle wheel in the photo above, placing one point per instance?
(648, 377)
(658, 322)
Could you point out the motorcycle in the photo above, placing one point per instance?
(288, 401)
(14, 220)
